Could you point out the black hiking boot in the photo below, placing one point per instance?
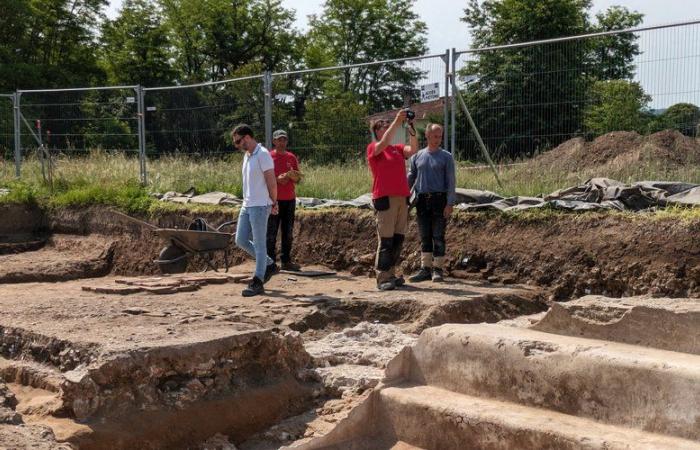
(437, 275)
(423, 274)
(291, 266)
(270, 270)
(254, 288)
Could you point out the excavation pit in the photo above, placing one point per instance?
(107, 353)
(153, 370)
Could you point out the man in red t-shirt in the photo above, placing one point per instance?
(390, 194)
(287, 173)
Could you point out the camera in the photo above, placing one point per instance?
(410, 114)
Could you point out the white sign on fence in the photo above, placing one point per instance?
(429, 92)
(131, 99)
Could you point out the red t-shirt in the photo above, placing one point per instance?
(388, 171)
(283, 164)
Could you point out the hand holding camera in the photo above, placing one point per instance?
(410, 116)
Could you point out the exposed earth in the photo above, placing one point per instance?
(98, 350)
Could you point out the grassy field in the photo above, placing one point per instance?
(102, 178)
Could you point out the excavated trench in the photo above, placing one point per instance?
(204, 368)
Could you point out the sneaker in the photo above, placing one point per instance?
(254, 288)
(399, 281)
(389, 285)
(422, 275)
(291, 266)
(437, 275)
(269, 271)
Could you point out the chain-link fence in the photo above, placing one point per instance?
(524, 98)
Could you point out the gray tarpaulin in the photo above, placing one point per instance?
(603, 193)
(594, 194)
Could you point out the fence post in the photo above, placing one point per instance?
(445, 118)
(141, 112)
(453, 101)
(17, 124)
(267, 87)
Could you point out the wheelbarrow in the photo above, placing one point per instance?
(199, 241)
(186, 245)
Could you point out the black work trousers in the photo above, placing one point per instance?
(284, 220)
(430, 210)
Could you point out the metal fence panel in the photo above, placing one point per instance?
(187, 133)
(196, 120)
(529, 99)
(57, 126)
(327, 114)
(77, 121)
(6, 128)
(525, 98)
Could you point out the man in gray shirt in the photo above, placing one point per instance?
(432, 178)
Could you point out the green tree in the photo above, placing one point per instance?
(522, 97)
(135, 46)
(617, 105)
(358, 31)
(684, 117)
(531, 98)
(334, 130)
(213, 38)
(49, 43)
(612, 56)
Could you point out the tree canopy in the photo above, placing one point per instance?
(523, 99)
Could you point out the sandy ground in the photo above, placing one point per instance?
(117, 322)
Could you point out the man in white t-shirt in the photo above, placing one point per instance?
(259, 201)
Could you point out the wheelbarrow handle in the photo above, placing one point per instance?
(226, 224)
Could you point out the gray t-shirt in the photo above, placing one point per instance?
(433, 172)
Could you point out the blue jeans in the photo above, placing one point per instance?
(252, 220)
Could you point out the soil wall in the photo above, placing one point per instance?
(570, 254)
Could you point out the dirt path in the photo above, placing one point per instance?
(291, 302)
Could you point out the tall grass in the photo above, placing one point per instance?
(113, 178)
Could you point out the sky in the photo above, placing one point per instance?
(445, 30)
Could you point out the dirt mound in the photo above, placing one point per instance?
(615, 151)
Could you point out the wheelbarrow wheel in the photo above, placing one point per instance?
(172, 259)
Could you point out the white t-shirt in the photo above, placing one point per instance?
(254, 187)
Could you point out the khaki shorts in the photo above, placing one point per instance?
(393, 220)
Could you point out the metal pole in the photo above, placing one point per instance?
(17, 125)
(445, 118)
(141, 112)
(453, 101)
(267, 86)
(484, 150)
